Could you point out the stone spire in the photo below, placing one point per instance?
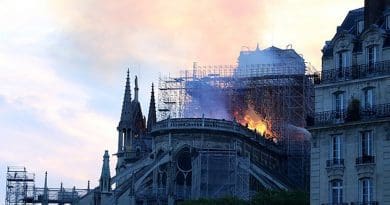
(152, 111)
(136, 89)
(126, 106)
(45, 192)
(105, 178)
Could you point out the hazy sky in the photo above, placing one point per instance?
(63, 64)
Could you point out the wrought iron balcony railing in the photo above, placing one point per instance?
(365, 160)
(334, 163)
(342, 116)
(355, 72)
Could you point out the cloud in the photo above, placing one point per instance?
(47, 123)
(175, 33)
(172, 33)
(62, 64)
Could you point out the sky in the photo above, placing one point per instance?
(63, 65)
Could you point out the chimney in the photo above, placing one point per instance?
(373, 10)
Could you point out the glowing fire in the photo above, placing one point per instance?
(255, 121)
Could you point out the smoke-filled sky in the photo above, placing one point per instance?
(63, 64)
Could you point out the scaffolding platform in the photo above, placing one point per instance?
(227, 91)
(20, 189)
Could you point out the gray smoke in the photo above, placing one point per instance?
(300, 131)
(206, 100)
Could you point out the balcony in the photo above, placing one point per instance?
(365, 166)
(335, 168)
(365, 160)
(355, 72)
(365, 203)
(335, 163)
(339, 117)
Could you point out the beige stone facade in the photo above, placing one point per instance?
(350, 152)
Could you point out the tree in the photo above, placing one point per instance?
(221, 201)
(272, 197)
(264, 197)
(353, 110)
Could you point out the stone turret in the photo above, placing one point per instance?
(125, 124)
(131, 128)
(105, 177)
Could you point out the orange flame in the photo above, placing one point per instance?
(255, 122)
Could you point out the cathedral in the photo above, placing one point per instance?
(180, 159)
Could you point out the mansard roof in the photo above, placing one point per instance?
(350, 26)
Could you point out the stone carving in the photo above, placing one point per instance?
(373, 39)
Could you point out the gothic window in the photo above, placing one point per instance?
(387, 22)
(138, 152)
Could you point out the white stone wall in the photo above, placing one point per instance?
(324, 93)
(320, 176)
(350, 131)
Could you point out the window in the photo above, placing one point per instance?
(339, 104)
(336, 147)
(372, 56)
(138, 151)
(368, 98)
(366, 143)
(360, 27)
(336, 191)
(342, 62)
(366, 190)
(388, 22)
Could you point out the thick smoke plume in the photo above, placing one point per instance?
(207, 100)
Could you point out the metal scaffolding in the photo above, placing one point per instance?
(287, 101)
(20, 186)
(20, 189)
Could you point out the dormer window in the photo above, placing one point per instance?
(372, 56)
(360, 27)
(342, 62)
